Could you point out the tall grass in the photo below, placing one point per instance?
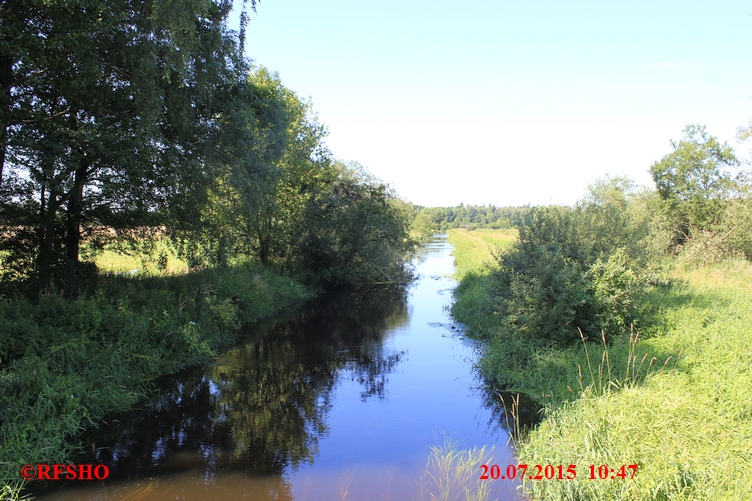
(451, 473)
(475, 258)
(676, 403)
(474, 251)
(65, 363)
(673, 398)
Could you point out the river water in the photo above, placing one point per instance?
(343, 400)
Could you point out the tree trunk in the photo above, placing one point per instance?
(6, 82)
(264, 250)
(46, 257)
(75, 209)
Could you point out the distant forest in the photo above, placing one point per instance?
(433, 219)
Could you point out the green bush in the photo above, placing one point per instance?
(572, 269)
(617, 287)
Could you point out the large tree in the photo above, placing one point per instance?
(695, 180)
(109, 113)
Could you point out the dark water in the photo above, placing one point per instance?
(344, 400)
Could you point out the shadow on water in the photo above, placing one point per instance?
(253, 423)
(262, 406)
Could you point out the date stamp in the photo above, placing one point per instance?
(557, 472)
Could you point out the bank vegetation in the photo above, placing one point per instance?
(627, 318)
(141, 133)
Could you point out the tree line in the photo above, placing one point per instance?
(429, 220)
(121, 119)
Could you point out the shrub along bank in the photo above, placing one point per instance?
(677, 404)
(634, 363)
(68, 362)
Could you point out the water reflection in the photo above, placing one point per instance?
(342, 400)
(263, 405)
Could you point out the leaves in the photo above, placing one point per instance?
(695, 180)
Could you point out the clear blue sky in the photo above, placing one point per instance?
(510, 103)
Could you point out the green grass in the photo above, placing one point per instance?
(66, 363)
(675, 400)
(474, 257)
(474, 250)
(110, 260)
(689, 428)
(452, 472)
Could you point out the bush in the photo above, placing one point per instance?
(575, 269)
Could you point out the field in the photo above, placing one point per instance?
(474, 250)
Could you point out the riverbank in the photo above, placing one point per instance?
(66, 363)
(363, 394)
(673, 400)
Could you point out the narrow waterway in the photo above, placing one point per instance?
(343, 400)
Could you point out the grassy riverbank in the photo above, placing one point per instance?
(674, 400)
(66, 363)
(474, 259)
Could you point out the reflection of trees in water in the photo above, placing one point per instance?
(504, 407)
(263, 406)
(371, 370)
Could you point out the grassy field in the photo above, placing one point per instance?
(674, 400)
(474, 260)
(113, 261)
(474, 250)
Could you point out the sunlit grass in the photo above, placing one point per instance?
(452, 473)
(120, 262)
(686, 423)
(474, 250)
(674, 399)
(474, 259)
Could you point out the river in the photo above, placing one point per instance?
(342, 400)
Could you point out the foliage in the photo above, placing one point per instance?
(587, 273)
(574, 268)
(354, 231)
(430, 220)
(142, 129)
(65, 363)
(590, 265)
(695, 181)
(661, 421)
(290, 205)
(112, 111)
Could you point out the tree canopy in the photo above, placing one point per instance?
(118, 117)
(695, 180)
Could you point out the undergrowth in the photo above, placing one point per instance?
(66, 363)
(672, 398)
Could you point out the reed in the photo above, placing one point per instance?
(451, 473)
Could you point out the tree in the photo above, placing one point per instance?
(354, 229)
(695, 180)
(275, 158)
(112, 111)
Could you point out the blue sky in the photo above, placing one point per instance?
(510, 103)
